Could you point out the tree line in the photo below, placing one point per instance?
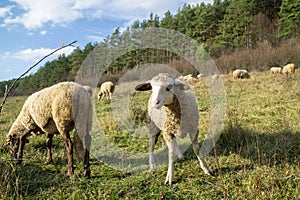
(221, 28)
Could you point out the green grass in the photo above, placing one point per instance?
(256, 157)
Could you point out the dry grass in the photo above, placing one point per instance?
(256, 157)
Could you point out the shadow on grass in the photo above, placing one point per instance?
(260, 149)
(274, 148)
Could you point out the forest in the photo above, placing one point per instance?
(256, 34)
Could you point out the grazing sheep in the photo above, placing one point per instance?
(190, 79)
(172, 110)
(106, 89)
(236, 73)
(199, 76)
(55, 110)
(289, 69)
(240, 73)
(275, 70)
(215, 77)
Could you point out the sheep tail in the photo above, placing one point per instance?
(78, 145)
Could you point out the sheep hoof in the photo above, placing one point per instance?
(209, 172)
(168, 182)
(49, 162)
(169, 179)
(152, 166)
(87, 173)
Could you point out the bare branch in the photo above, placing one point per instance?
(8, 89)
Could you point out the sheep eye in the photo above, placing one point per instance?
(169, 87)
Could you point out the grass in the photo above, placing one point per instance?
(256, 157)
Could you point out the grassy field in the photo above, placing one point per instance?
(256, 157)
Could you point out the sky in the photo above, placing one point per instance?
(31, 29)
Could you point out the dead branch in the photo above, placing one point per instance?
(8, 89)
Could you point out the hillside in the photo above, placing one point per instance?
(264, 32)
(256, 157)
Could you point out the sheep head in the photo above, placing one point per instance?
(163, 88)
(12, 142)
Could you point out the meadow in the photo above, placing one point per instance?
(256, 156)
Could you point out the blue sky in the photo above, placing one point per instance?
(30, 29)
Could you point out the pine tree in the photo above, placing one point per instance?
(289, 21)
(235, 29)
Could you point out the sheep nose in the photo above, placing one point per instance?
(156, 102)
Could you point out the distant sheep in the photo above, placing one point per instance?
(172, 110)
(289, 69)
(215, 77)
(199, 76)
(55, 110)
(106, 89)
(190, 79)
(275, 70)
(240, 74)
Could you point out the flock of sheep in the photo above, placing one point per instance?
(287, 69)
(172, 112)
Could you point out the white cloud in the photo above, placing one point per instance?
(5, 11)
(61, 12)
(43, 32)
(37, 13)
(34, 55)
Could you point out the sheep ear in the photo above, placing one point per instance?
(181, 85)
(143, 87)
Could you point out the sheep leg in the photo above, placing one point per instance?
(196, 148)
(102, 95)
(86, 163)
(169, 138)
(177, 149)
(22, 141)
(49, 145)
(107, 95)
(152, 141)
(69, 149)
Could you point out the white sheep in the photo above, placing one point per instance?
(215, 77)
(189, 79)
(199, 76)
(275, 70)
(172, 110)
(55, 110)
(106, 89)
(240, 73)
(289, 69)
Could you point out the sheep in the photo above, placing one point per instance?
(240, 73)
(190, 79)
(106, 89)
(55, 110)
(215, 77)
(199, 76)
(172, 111)
(275, 70)
(289, 69)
